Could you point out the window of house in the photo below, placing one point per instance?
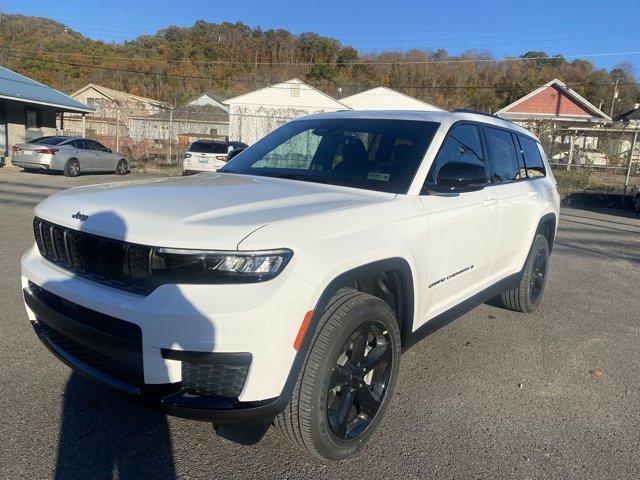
(462, 144)
(532, 158)
(32, 121)
(504, 156)
(94, 103)
(295, 90)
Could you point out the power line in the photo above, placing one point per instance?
(269, 83)
(308, 63)
(564, 31)
(502, 26)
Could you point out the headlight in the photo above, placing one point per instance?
(218, 267)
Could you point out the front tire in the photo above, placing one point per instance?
(348, 378)
(526, 297)
(72, 168)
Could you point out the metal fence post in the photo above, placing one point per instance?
(570, 153)
(170, 133)
(117, 130)
(626, 182)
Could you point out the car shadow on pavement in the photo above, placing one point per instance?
(104, 435)
(605, 203)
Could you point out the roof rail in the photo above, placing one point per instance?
(479, 112)
(470, 110)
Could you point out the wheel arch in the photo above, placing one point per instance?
(400, 283)
(547, 226)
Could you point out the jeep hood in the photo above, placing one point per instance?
(213, 211)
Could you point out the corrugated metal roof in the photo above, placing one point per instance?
(14, 86)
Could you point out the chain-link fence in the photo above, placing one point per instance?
(152, 143)
(596, 160)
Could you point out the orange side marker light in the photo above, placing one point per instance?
(303, 329)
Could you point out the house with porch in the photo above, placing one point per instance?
(564, 121)
(30, 109)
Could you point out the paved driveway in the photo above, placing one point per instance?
(495, 394)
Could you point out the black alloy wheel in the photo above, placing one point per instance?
(359, 380)
(526, 297)
(537, 274)
(347, 381)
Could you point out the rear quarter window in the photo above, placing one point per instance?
(532, 157)
(504, 156)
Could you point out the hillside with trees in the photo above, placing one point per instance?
(177, 63)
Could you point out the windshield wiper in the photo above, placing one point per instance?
(290, 176)
(302, 178)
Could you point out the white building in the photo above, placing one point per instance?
(208, 100)
(257, 113)
(383, 98)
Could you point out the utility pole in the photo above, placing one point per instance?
(626, 182)
(615, 97)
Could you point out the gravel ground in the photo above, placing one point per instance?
(495, 394)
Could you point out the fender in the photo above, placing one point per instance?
(406, 321)
(548, 219)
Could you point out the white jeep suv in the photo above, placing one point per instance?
(283, 288)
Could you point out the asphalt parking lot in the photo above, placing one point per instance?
(496, 394)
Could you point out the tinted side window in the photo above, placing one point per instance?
(504, 155)
(82, 144)
(462, 144)
(97, 146)
(532, 158)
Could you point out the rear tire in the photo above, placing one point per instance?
(72, 168)
(526, 297)
(337, 403)
(122, 168)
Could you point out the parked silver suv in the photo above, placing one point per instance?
(71, 155)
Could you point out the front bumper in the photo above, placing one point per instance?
(157, 339)
(116, 361)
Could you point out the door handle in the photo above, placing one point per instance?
(532, 194)
(489, 202)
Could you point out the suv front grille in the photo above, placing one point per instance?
(131, 374)
(120, 264)
(100, 321)
(120, 333)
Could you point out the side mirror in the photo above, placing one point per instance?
(235, 152)
(458, 177)
(110, 151)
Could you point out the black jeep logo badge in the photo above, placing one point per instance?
(80, 216)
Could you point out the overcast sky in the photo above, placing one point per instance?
(568, 27)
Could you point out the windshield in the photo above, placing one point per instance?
(374, 154)
(49, 140)
(208, 147)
